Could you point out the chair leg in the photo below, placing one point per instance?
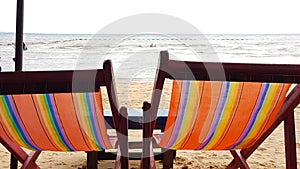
(122, 162)
(13, 162)
(148, 160)
(146, 155)
(239, 160)
(30, 161)
(168, 158)
(18, 154)
(147, 138)
(16, 151)
(290, 142)
(92, 159)
(123, 139)
(287, 111)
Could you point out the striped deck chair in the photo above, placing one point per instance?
(60, 111)
(234, 110)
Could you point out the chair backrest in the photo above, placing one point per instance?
(220, 105)
(57, 110)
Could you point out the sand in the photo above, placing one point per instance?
(269, 155)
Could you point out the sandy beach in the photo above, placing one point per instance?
(269, 155)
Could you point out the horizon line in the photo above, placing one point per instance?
(61, 33)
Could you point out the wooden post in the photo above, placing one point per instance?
(290, 141)
(19, 36)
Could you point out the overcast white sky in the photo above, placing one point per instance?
(210, 17)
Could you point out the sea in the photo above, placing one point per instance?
(136, 56)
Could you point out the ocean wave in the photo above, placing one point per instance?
(68, 47)
(7, 44)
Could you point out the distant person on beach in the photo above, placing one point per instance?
(153, 45)
(24, 46)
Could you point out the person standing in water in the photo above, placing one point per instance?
(24, 49)
(24, 46)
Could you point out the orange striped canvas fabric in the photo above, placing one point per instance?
(220, 115)
(57, 122)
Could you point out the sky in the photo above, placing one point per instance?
(210, 17)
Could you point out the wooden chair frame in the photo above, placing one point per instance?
(41, 82)
(240, 72)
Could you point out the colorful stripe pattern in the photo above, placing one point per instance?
(220, 115)
(55, 122)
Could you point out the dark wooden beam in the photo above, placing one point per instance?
(38, 82)
(233, 72)
(19, 36)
